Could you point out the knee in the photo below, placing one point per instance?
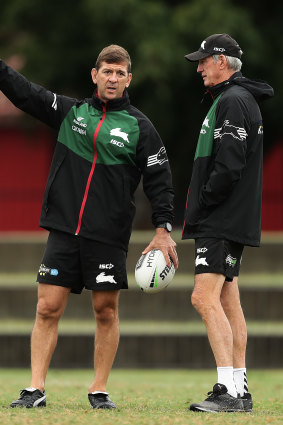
(47, 310)
(230, 304)
(202, 304)
(225, 302)
(197, 301)
(106, 314)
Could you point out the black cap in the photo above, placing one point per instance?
(216, 44)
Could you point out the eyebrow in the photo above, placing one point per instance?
(118, 70)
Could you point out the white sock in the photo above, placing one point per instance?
(99, 392)
(225, 376)
(240, 379)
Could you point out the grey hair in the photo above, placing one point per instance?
(233, 63)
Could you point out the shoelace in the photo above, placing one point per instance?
(213, 394)
(30, 394)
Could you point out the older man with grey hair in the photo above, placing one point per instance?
(223, 211)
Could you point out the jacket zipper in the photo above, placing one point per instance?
(91, 171)
(186, 210)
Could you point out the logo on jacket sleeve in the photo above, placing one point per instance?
(260, 129)
(54, 104)
(238, 133)
(159, 158)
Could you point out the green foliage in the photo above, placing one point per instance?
(61, 40)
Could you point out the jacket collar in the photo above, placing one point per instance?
(111, 105)
(219, 88)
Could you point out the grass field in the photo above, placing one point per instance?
(143, 397)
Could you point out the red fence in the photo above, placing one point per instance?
(272, 197)
(25, 158)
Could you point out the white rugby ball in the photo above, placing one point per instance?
(152, 273)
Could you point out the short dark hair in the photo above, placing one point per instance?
(113, 54)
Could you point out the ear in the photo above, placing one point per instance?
(93, 75)
(129, 80)
(222, 62)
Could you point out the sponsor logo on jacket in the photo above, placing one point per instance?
(204, 124)
(79, 121)
(118, 133)
(79, 126)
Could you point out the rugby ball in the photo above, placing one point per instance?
(152, 273)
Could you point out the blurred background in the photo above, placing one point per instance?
(55, 44)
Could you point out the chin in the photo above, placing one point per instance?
(112, 96)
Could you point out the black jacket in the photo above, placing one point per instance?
(225, 192)
(101, 154)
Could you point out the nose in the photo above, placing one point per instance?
(199, 68)
(113, 77)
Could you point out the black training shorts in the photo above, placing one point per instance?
(76, 262)
(218, 256)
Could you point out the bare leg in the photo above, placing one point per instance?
(230, 300)
(50, 307)
(105, 304)
(206, 300)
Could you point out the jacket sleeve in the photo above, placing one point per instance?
(157, 179)
(32, 98)
(230, 146)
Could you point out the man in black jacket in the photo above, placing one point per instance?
(104, 147)
(223, 211)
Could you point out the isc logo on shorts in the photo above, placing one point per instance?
(106, 266)
(201, 250)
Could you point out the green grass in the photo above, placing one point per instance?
(143, 397)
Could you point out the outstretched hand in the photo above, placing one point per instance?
(163, 241)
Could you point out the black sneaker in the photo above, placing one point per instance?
(219, 401)
(101, 401)
(30, 397)
(247, 402)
